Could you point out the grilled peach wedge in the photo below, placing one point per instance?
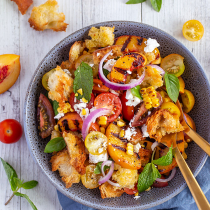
(9, 71)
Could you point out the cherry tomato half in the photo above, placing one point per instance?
(94, 127)
(73, 102)
(10, 131)
(109, 101)
(131, 191)
(128, 111)
(99, 87)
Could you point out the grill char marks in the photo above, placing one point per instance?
(65, 125)
(126, 44)
(120, 70)
(140, 40)
(117, 136)
(118, 147)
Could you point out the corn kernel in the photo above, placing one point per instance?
(153, 94)
(76, 94)
(120, 123)
(166, 99)
(155, 100)
(102, 129)
(80, 91)
(129, 149)
(103, 118)
(56, 128)
(84, 112)
(162, 93)
(151, 88)
(148, 106)
(65, 109)
(136, 194)
(122, 134)
(143, 90)
(84, 100)
(185, 144)
(147, 100)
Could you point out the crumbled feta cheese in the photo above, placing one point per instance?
(79, 107)
(129, 132)
(132, 100)
(149, 112)
(114, 92)
(129, 72)
(136, 197)
(98, 158)
(67, 72)
(109, 64)
(144, 131)
(91, 65)
(75, 99)
(151, 44)
(58, 116)
(136, 147)
(98, 54)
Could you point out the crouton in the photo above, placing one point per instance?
(100, 53)
(76, 150)
(90, 179)
(60, 85)
(46, 16)
(109, 191)
(161, 123)
(69, 66)
(102, 37)
(145, 155)
(76, 50)
(152, 77)
(23, 5)
(126, 177)
(137, 138)
(61, 162)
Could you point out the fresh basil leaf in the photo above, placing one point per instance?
(172, 86)
(156, 4)
(55, 145)
(136, 91)
(135, 1)
(55, 105)
(106, 72)
(97, 169)
(27, 198)
(147, 177)
(166, 159)
(11, 174)
(83, 80)
(29, 185)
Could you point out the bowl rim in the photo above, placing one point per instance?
(158, 202)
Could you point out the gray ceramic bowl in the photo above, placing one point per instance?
(196, 82)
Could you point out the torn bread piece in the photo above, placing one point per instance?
(61, 162)
(46, 16)
(100, 53)
(76, 50)
(23, 5)
(76, 150)
(162, 123)
(109, 191)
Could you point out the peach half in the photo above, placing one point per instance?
(9, 71)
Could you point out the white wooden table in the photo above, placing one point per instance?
(17, 37)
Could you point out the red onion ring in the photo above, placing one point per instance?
(116, 86)
(91, 118)
(107, 176)
(173, 172)
(155, 144)
(158, 68)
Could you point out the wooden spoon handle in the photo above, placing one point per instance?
(193, 185)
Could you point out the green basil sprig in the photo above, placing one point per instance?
(55, 105)
(16, 183)
(135, 1)
(55, 145)
(136, 91)
(172, 86)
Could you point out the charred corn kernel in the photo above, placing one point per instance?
(136, 194)
(184, 155)
(80, 91)
(153, 94)
(84, 112)
(148, 106)
(109, 76)
(147, 100)
(151, 88)
(120, 123)
(122, 134)
(148, 189)
(129, 149)
(65, 109)
(185, 144)
(56, 128)
(76, 94)
(102, 129)
(84, 100)
(143, 90)
(155, 102)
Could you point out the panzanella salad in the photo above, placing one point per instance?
(112, 112)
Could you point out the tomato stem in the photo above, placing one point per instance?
(9, 199)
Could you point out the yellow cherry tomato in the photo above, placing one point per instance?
(84, 58)
(45, 79)
(193, 30)
(182, 85)
(96, 143)
(171, 107)
(188, 101)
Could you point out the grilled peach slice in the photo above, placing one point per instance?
(9, 71)
(125, 65)
(70, 122)
(182, 85)
(117, 149)
(137, 44)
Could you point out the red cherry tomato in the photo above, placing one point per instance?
(160, 184)
(72, 102)
(10, 131)
(99, 87)
(109, 101)
(128, 111)
(131, 191)
(94, 127)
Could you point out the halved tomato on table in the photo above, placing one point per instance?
(109, 101)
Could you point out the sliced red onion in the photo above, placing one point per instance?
(155, 144)
(107, 176)
(91, 118)
(173, 172)
(116, 86)
(158, 68)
